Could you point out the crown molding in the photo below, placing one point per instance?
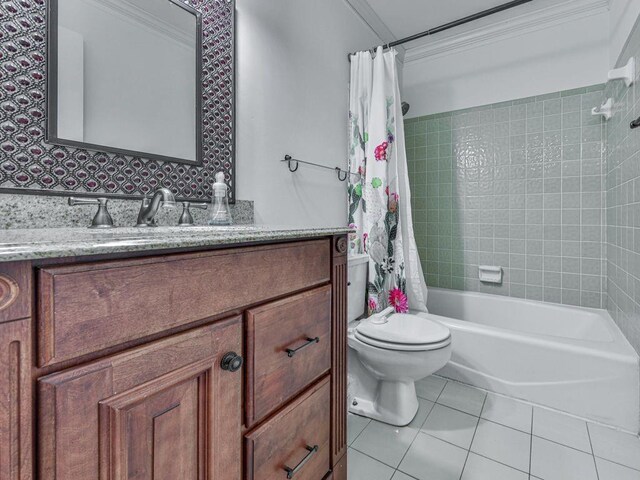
(513, 27)
(375, 23)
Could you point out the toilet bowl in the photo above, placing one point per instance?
(386, 360)
(388, 352)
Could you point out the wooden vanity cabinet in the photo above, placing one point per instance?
(130, 369)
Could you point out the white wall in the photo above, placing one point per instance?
(623, 16)
(292, 97)
(139, 83)
(560, 57)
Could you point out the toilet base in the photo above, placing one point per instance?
(393, 402)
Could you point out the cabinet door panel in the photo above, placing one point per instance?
(155, 432)
(15, 400)
(158, 422)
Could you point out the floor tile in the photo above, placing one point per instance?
(355, 425)
(560, 428)
(361, 467)
(481, 468)
(612, 471)
(503, 444)
(508, 412)
(552, 461)
(400, 476)
(619, 447)
(424, 408)
(430, 387)
(462, 397)
(385, 443)
(432, 459)
(451, 425)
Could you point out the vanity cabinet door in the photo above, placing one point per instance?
(164, 411)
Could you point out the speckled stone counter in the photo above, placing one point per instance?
(42, 211)
(40, 243)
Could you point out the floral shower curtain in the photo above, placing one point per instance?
(379, 199)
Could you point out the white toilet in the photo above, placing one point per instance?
(388, 353)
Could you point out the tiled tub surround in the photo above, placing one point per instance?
(623, 201)
(516, 184)
(463, 433)
(46, 211)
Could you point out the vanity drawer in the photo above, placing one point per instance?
(298, 433)
(288, 347)
(86, 308)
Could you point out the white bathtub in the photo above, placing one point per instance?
(568, 358)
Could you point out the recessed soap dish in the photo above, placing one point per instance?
(490, 274)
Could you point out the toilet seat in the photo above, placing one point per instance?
(404, 332)
(401, 346)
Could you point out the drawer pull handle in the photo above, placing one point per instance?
(310, 341)
(292, 471)
(231, 362)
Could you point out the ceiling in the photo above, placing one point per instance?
(392, 20)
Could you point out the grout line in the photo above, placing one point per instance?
(462, 411)
(358, 436)
(440, 394)
(562, 444)
(404, 473)
(617, 463)
(495, 461)
(411, 445)
(608, 460)
(472, 438)
(375, 459)
(419, 429)
(531, 443)
(542, 407)
(593, 456)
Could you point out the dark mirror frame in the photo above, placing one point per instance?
(52, 93)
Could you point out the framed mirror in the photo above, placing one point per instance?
(124, 76)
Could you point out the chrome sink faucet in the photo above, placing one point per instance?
(149, 208)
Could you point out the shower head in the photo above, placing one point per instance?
(405, 108)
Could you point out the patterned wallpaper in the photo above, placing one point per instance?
(29, 165)
(623, 200)
(516, 184)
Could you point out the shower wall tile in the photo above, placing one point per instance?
(517, 184)
(623, 201)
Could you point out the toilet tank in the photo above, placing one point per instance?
(357, 289)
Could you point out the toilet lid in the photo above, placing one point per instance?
(404, 329)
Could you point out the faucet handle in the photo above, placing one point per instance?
(186, 220)
(102, 219)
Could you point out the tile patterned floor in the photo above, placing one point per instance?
(462, 433)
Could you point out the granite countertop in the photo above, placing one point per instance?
(37, 243)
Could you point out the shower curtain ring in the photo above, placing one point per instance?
(289, 160)
(339, 171)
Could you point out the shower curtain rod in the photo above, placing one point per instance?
(455, 23)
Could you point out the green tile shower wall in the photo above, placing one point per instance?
(623, 201)
(519, 185)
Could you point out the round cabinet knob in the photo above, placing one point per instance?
(231, 361)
